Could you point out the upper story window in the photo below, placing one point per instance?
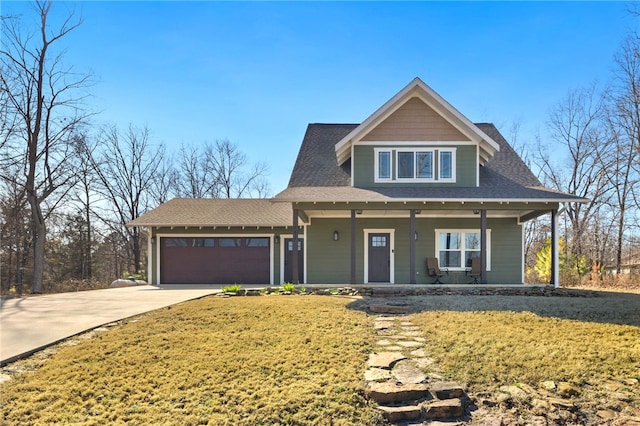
(383, 165)
(416, 165)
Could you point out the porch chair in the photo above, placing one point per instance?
(433, 270)
(475, 270)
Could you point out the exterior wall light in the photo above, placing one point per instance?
(276, 239)
(336, 236)
(153, 240)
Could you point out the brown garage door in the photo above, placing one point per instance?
(219, 260)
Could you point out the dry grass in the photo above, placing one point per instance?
(300, 360)
(593, 344)
(488, 348)
(238, 361)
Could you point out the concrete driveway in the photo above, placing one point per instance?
(32, 323)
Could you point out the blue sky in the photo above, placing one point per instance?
(257, 73)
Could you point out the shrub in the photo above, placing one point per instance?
(232, 288)
(289, 287)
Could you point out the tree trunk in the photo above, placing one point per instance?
(39, 236)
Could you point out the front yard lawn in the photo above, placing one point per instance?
(300, 360)
(238, 361)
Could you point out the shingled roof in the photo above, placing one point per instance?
(216, 212)
(317, 176)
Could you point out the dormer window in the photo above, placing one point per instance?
(383, 165)
(415, 165)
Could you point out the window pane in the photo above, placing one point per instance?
(378, 241)
(472, 241)
(405, 165)
(230, 242)
(470, 255)
(446, 165)
(202, 242)
(449, 241)
(450, 259)
(290, 245)
(384, 165)
(176, 242)
(424, 165)
(257, 242)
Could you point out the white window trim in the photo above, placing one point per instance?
(453, 165)
(462, 231)
(376, 170)
(435, 165)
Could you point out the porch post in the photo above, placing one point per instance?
(353, 247)
(294, 261)
(555, 271)
(483, 246)
(412, 246)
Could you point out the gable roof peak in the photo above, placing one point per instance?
(418, 88)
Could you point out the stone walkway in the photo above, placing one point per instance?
(396, 377)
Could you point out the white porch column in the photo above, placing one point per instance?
(555, 255)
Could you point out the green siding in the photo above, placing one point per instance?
(364, 161)
(328, 261)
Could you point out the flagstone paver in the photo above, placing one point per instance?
(401, 376)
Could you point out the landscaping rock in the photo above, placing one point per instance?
(444, 409)
(407, 344)
(377, 375)
(447, 390)
(514, 391)
(127, 283)
(401, 413)
(407, 371)
(384, 359)
(549, 385)
(382, 325)
(567, 390)
(389, 392)
(492, 420)
(387, 309)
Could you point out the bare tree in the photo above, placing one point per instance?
(218, 170)
(84, 195)
(229, 165)
(197, 176)
(623, 156)
(127, 168)
(42, 101)
(164, 185)
(576, 125)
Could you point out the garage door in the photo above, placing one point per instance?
(219, 260)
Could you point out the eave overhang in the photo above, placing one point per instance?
(417, 88)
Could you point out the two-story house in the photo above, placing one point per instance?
(367, 203)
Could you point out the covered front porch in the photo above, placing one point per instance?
(369, 243)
